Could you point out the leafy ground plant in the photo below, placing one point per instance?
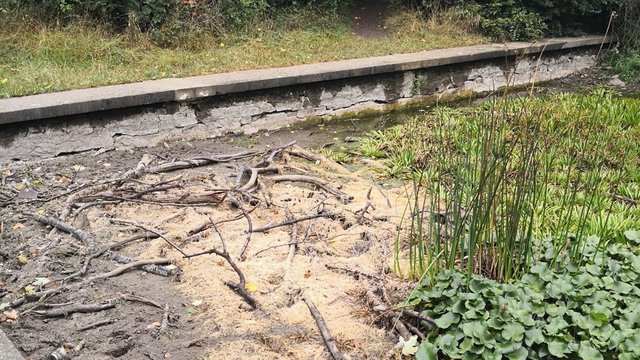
(568, 310)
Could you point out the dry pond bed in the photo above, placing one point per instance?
(199, 252)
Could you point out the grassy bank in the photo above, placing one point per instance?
(37, 58)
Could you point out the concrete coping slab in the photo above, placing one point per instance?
(73, 102)
(7, 350)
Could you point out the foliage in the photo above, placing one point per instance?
(586, 310)
(166, 17)
(524, 19)
(487, 181)
(626, 56)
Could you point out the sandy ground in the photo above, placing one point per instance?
(207, 320)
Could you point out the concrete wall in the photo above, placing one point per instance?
(250, 111)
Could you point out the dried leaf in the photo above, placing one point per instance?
(40, 281)
(197, 303)
(22, 258)
(10, 316)
(251, 287)
(154, 325)
(18, 226)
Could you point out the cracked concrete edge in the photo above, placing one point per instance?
(73, 102)
(7, 350)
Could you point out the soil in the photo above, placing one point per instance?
(369, 18)
(207, 319)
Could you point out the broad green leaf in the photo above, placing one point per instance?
(558, 349)
(587, 352)
(426, 351)
(520, 354)
(533, 336)
(633, 235)
(446, 320)
(513, 331)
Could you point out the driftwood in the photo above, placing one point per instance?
(324, 331)
(86, 238)
(76, 308)
(343, 197)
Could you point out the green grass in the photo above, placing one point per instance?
(39, 58)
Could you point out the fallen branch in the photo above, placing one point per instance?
(152, 230)
(140, 299)
(294, 220)
(397, 324)
(77, 308)
(198, 162)
(124, 268)
(294, 241)
(159, 270)
(354, 273)
(343, 197)
(239, 288)
(86, 238)
(324, 331)
(253, 177)
(95, 325)
(301, 152)
(165, 320)
(85, 266)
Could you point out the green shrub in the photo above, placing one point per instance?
(524, 19)
(588, 311)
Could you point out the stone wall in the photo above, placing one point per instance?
(251, 111)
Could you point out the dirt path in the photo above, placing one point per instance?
(340, 254)
(368, 18)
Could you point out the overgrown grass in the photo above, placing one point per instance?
(37, 58)
(486, 182)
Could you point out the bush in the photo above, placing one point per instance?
(524, 20)
(576, 311)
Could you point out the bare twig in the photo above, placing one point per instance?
(375, 183)
(390, 315)
(86, 238)
(324, 330)
(165, 320)
(152, 230)
(294, 240)
(343, 197)
(160, 270)
(197, 162)
(294, 220)
(124, 268)
(95, 325)
(239, 288)
(82, 308)
(354, 273)
(247, 239)
(299, 151)
(140, 299)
